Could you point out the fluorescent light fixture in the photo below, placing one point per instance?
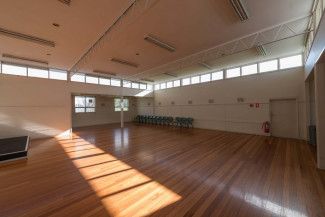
(240, 9)
(25, 37)
(9, 56)
(169, 74)
(104, 72)
(67, 2)
(147, 80)
(205, 65)
(157, 42)
(124, 62)
(261, 50)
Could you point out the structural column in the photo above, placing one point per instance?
(320, 113)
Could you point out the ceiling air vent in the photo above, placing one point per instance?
(157, 42)
(25, 37)
(67, 2)
(124, 62)
(9, 56)
(240, 9)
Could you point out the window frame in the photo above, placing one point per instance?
(85, 107)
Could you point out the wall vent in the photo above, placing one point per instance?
(30, 38)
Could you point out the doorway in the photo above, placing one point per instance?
(284, 118)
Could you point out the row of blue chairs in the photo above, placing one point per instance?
(164, 120)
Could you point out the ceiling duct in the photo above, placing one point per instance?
(25, 37)
(9, 56)
(261, 50)
(67, 2)
(240, 9)
(124, 62)
(171, 75)
(103, 72)
(157, 42)
(205, 65)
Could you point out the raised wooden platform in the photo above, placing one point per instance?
(159, 171)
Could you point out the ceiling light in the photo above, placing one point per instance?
(240, 9)
(159, 43)
(25, 37)
(124, 62)
(67, 2)
(205, 65)
(171, 75)
(261, 50)
(103, 72)
(147, 80)
(9, 56)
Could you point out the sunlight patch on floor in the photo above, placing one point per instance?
(123, 190)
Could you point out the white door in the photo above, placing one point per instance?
(284, 121)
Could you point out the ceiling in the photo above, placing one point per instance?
(196, 28)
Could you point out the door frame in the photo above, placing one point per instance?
(297, 112)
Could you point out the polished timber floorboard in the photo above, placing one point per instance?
(163, 171)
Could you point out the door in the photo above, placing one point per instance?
(284, 118)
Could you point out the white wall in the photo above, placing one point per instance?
(40, 107)
(104, 113)
(145, 106)
(226, 113)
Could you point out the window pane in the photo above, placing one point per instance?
(90, 109)
(249, 70)
(38, 73)
(143, 86)
(91, 80)
(232, 73)
(169, 84)
(177, 83)
(195, 80)
(116, 82)
(135, 85)
(163, 86)
(186, 81)
(157, 86)
(79, 101)
(290, 62)
(58, 75)
(90, 101)
(149, 86)
(104, 81)
(268, 66)
(79, 110)
(127, 84)
(205, 78)
(14, 70)
(78, 78)
(217, 76)
(118, 105)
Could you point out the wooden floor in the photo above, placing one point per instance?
(161, 171)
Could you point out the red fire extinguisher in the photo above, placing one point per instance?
(266, 126)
